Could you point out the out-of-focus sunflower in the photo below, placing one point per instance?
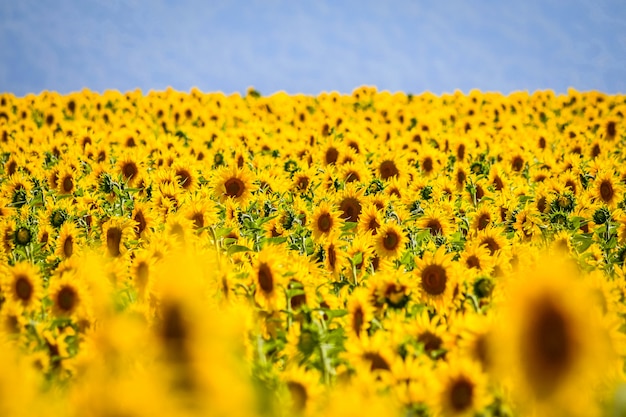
(116, 232)
(462, 388)
(553, 349)
(360, 312)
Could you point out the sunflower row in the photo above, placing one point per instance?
(202, 254)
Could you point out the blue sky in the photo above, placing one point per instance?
(312, 46)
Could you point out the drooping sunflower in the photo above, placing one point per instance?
(437, 278)
(22, 286)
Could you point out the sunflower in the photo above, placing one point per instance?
(67, 181)
(302, 180)
(69, 297)
(483, 217)
(371, 356)
(22, 286)
(130, 167)
(266, 276)
(145, 219)
(436, 278)
(360, 312)
(554, 350)
(326, 222)
(335, 257)
(370, 219)
(607, 189)
(436, 221)
(116, 232)
(142, 272)
(432, 335)
(462, 388)
(303, 390)
(494, 239)
(201, 211)
(476, 259)
(69, 242)
(350, 203)
(233, 183)
(527, 223)
(390, 240)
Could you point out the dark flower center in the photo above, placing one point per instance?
(325, 222)
(66, 299)
(434, 279)
(23, 288)
(234, 187)
(461, 394)
(114, 238)
(265, 278)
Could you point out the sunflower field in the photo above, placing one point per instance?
(365, 254)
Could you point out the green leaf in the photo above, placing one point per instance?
(238, 248)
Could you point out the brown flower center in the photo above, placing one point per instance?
(68, 246)
(376, 361)
(114, 238)
(431, 341)
(23, 288)
(129, 170)
(388, 169)
(265, 278)
(68, 184)
(358, 319)
(435, 227)
(66, 299)
(325, 223)
(234, 187)
(434, 279)
(606, 191)
(548, 348)
(483, 221)
(427, 165)
(351, 208)
(461, 394)
(298, 394)
(332, 154)
(391, 240)
(473, 262)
